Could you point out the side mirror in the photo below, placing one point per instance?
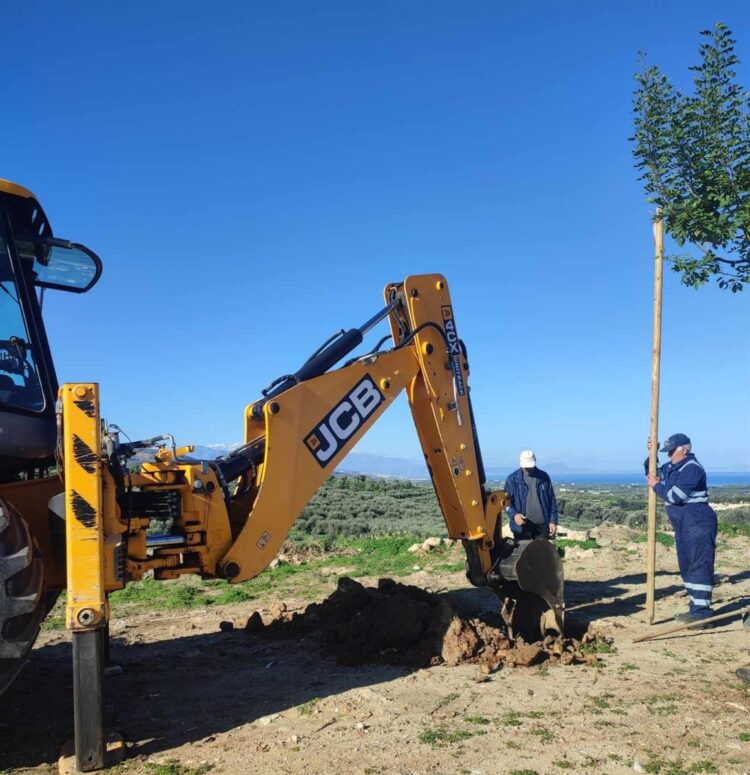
(65, 266)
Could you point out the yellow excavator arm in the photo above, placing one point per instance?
(229, 517)
(305, 428)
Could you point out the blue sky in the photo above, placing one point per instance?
(253, 174)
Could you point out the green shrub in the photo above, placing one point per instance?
(734, 528)
(665, 539)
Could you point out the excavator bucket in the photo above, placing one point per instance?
(528, 578)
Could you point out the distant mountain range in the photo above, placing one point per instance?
(389, 465)
(386, 465)
(354, 463)
(211, 451)
(408, 468)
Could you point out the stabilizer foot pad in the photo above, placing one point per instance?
(115, 753)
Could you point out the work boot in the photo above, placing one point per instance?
(688, 618)
(743, 673)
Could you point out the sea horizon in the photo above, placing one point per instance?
(715, 478)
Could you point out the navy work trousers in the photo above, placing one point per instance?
(531, 530)
(695, 528)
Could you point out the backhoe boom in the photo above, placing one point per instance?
(309, 427)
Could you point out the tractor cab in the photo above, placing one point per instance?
(32, 260)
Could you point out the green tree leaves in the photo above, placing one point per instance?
(693, 153)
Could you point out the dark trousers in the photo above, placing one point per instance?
(695, 527)
(531, 530)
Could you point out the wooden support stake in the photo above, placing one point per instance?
(654, 432)
(687, 625)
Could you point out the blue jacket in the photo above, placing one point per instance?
(518, 490)
(682, 484)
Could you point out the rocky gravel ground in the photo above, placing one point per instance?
(241, 688)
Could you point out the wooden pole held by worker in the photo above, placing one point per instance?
(654, 432)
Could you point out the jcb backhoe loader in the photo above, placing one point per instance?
(76, 500)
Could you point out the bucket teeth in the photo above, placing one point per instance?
(549, 622)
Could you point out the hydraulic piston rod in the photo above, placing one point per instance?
(320, 362)
(328, 356)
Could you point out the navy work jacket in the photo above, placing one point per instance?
(516, 487)
(683, 483)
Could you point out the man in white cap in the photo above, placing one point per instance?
(533, 507)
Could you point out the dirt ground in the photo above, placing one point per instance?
(192, 698)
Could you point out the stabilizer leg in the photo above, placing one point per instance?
(87, 612)
(88, 658)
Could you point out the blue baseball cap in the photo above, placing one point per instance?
(678, 440)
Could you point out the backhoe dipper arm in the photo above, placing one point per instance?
(296, 436)
(440, 401)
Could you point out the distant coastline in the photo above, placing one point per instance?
(715, 479)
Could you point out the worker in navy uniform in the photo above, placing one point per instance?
(682, 484)
(533, 507)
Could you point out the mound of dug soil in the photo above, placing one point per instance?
(398, 624)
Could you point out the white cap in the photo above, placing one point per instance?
(528, 460)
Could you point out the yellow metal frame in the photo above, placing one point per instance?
(440, 406)
(439, 400)
(203, 521)
(9, 187)
(291, 474)
(84, 524)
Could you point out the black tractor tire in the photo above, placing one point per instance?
(23, 599)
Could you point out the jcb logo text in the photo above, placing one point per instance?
(330, 435)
